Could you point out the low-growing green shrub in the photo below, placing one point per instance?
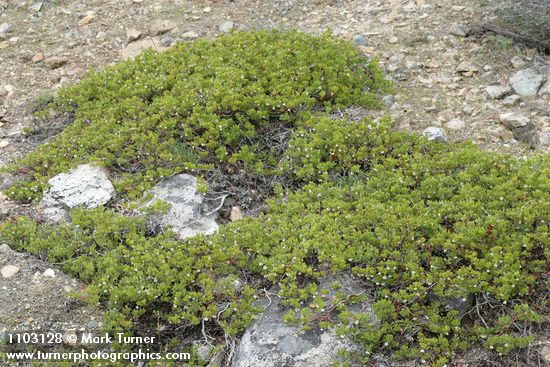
(420, 222)
(198, 105)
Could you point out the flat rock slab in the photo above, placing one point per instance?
(185, 216)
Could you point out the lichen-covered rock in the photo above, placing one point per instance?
(185, 216)
(86, 186)
(269, 342)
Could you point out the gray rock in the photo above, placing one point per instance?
(226, 26)
(49, 273)
(517, 62)
(513, 120)
(55, 62)
(166, 41)
(269, 342)
(161, 26)
(359, 40)
(526, 82)
(455, 124)
(9, 271)
(36, 7)
(545, 89)
(86, 186)
(511, 100)
(435, 134)
(544, 138)
(459, 30)
(185, 216)
(6, 180)
(498, 91)
(5, 28)
(388, 100)
(465, 67)
(132, 35)
(527, 134)
(190, 35)
(135, 48)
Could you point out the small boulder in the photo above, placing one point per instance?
(359, 40)
(526, 82)
(161, 26)
(135, 48)
(132, 35)
(466, 67)
(527, 135)
(226, 26)
(513, 120)
(521, 126)
(55, 62)
(86, 186)
(435, 134)
(498, 91)
(190, 35)
(455, 124)
(185, 216)
(5, 28)
(511, 100)
(167, 41)
(270, 342)
(517, 62)
(6, 180)
(545, 89)
(459, 30)
(49, 273)
(9, 271)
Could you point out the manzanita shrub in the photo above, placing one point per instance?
(424, 225)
